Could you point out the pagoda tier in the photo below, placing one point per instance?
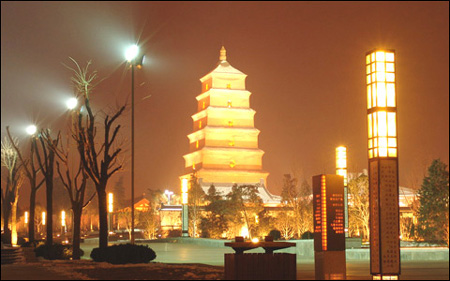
(223, 147)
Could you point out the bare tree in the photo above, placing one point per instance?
(10, 193)
(31, 172)
(99, 156)
(75, 185)
(358, 190)
(46, 164)
(299, 200)
(284, 222)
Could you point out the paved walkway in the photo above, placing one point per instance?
(30, 272)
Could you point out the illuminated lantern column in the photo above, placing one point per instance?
(383, 165)
(110, 210)
(329, 237)
(184, 210)
(63, 222)
(341, 169)
(224, 144)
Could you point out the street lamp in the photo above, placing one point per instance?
(168, 193)
(383, 164)
(31, 130)
(71, 103)
(135, 59)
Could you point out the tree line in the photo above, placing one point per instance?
(95, 159)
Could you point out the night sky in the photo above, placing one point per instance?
(305, 63)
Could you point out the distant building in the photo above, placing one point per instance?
(224, 144)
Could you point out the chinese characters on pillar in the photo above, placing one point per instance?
(328, 204)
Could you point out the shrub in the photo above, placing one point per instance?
(307, 235)
(123, 254)
(55, 252)
(34, 244)
(276, 234)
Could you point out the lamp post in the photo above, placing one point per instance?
(383, 165)
(341, 169)
(133, 57)
(184, 214)
(31, 130)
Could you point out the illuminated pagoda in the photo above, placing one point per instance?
(224, 145)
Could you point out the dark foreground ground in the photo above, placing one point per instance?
(87, 270)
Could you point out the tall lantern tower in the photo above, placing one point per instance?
(383, 164)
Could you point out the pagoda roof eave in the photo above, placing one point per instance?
(225, 129)
(224, 68)
(202, 113)
(211, 90)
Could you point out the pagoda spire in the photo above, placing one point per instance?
(223, 54)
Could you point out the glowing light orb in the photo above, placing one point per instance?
(131, 53)
(71, 103)
(31, 130)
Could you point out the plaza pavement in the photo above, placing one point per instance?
(189, 253)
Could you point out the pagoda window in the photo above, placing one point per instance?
(206, 87)
(229, 103)
(228, 86)
(230, 123)
(200, 124)
(193, 166)
(232, 164)
(196, 144)
(204, 105)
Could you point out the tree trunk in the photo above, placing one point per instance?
(76, 238)
(6, 218)
(31, 222)
(49, 196)
(103, 218)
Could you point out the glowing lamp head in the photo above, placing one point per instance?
(110, 202)
(381, 103)
(71, 103)
(31, 130)
(131, 53)
(43, 218)
(341, 162)
(63, 218)
(26, 217)
(255, 240)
